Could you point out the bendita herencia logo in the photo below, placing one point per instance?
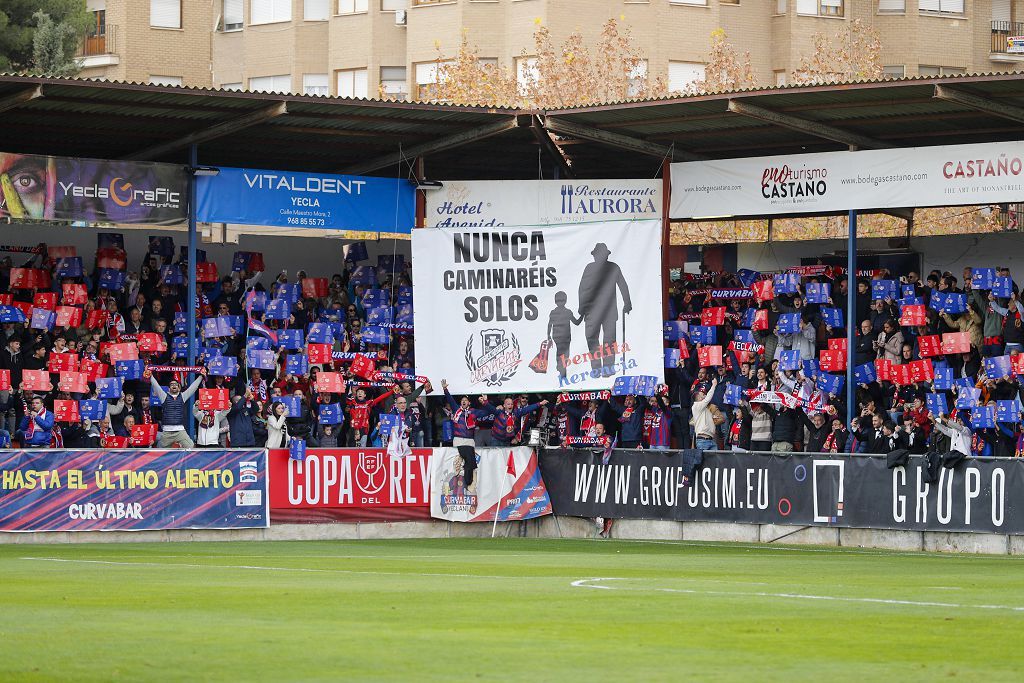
(783, 182)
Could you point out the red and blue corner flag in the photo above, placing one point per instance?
(511, 466)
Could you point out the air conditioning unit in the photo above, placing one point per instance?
(401, 17)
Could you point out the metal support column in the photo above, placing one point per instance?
(190, 305)
(851, 314)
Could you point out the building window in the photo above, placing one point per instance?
(393, 5)
(943, 6)
(165, 13)
(315, 84)
(527, 73)
(282, 83)
(897, 6)
(352, 6)
(637, 79)
(353, 83)
(702, 3)
(729, 2)
(231, 86)
(781, 6)
(269, 11)
(394, 82)
(895, 71)
(780, 77)
(420, 3)
(820, 8)
(682, 74)
(427, 76)
(234, 15)
(924, 70)
(316, 10)
(165, 80)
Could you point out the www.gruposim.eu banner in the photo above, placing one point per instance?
(132, 490)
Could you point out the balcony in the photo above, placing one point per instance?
(1007, 41)
(98, 49)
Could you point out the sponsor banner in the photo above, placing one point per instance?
(132, 490)
(305, 200)
(91, 190)
(979, 495)
(499, 203)
(488, 301)
(944, 175)
(349, 478)
(518, 491)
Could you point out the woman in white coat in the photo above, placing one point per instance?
(277, 427)
(208, 429)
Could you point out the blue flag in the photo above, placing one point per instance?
(672, 358)
(675, 329)
(789, 323)
(639, 385)
(263, 360)
(833, 317)
(1008, 411)
(278, 309)
(330, 414)
(356, 252)
(373, 334)
(883, 289)
(865, 374)
(983, 278)
(129, 369)
(968, 397)
(112, 279)
(10, 314)
(789, 360)
(747, 276)
(320, 333)
(733, 394)
(69, 266)
(818, 292)
(701, 334)
(786, 283)
(291, 340)
(937, 404)
(983, 417)
(943, 378)
(297, 364)
(108, 387)
(379, 315)
(223, 366)
(92, 409)
(364, 275)
(811, 368)
(998, 366)
(292, 405)
(1002, 286)
(830, 384)
(290, 292)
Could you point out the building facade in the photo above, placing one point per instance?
(362, 48)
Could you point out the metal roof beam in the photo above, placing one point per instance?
(604, 137)
(20, 98)
(211, 133)
(551, 148)
(972, 101)
(815, 128)
(440, 145)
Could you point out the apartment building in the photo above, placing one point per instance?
(360, 48)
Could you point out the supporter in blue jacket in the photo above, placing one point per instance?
(632, 419)
(240, 420)
(506, 420)
(464, 418)
(35, 430)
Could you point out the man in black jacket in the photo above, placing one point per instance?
(818, 430)
(783, 428)
(874, 436)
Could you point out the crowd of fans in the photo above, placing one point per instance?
(754, 361)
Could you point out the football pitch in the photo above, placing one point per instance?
(505, 609)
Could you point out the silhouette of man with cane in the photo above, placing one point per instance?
(600, 285)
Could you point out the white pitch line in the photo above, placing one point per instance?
(588, 583)
(281, 569)
(838, 550)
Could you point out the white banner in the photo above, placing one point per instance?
(950, 175)
(518, 490)
(488, 302)
(497, 203)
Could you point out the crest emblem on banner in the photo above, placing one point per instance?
(370, 473)
(499, 357)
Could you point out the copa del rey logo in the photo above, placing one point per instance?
(582, 200)
(783, 182)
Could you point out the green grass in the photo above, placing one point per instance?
(506, 609)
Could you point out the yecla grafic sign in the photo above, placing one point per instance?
(91, 190)
(512, 494)
(305, 200)
(132, 490)
(948, 175)
(981, 495)
(501, 203)
(538, 309)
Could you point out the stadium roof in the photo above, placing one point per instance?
(113, 120)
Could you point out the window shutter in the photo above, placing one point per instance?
(806, 6)
(234, 15)
(682, 74)
(892, 5)
(315, 10)
(781, 7)
(956, 6)
(831, 3)
(391, 5)
(929, 5)
(1000, 10)
(165, 13)
(261, 11)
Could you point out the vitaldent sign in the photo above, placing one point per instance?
(500, 203)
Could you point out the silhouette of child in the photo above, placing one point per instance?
(559, 329)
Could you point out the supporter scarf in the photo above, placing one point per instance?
(734, 433)
(56, 437)
(259, 388)
(468, 415)
(588, 422)
(207, 421)
(584, 396)
(146, 417)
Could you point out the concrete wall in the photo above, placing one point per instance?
(566, 527)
